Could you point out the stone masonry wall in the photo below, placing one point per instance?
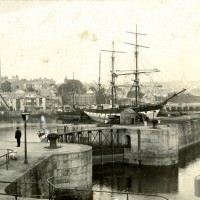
(188, 132)
(69, 170)
(73, 170)
(156, 147)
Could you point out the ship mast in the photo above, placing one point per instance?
(113, 74)
(73, 92)
(136, 71)
(99, 82)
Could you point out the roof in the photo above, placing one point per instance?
(6, 81)
(129, 110)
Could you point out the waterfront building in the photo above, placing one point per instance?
(20, 100)
(44, 86)
(53, 102)
(184, 107)
(89, 98)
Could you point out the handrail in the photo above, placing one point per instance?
(75, 130)
(7, 156)
(51, 185)
(91, 190)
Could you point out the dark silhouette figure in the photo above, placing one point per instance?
(18, 136)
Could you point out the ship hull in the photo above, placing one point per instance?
(76, 114)
(103, 115)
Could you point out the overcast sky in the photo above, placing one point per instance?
(54, 38)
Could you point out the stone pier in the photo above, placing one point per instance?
(150, 146)
(69, 166)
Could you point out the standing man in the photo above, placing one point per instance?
(18, 136)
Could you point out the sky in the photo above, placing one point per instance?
(53, 39)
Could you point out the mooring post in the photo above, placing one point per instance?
(52, 137)
(155, 123)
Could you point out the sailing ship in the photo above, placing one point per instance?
(102, 113)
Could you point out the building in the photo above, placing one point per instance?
(21, 100)
(80, 100)
(89, 98)
(128, 116)
(6, 86)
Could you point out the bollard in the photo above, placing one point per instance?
(52, 137)
(155, 123)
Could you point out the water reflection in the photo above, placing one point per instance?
(176, 182)
(151, 180)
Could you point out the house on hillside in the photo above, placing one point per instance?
(6, 86)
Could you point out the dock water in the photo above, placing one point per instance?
(171, 135)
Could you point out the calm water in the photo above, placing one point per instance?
(175, 183)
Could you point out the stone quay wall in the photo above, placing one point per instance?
(159, 146)
(188, 131)
(68, 170)
(148, 146)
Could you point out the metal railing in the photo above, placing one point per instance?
(6, 158)
(107, 155)
(56, 193)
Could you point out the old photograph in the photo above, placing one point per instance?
(100, 99)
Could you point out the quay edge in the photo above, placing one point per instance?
(70, 166)
(149, 146)
(160, 146)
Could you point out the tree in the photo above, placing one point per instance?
(66, 90)
(92, 88)
(101, 96)
(71, 86)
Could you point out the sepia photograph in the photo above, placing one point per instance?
(99, 99)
